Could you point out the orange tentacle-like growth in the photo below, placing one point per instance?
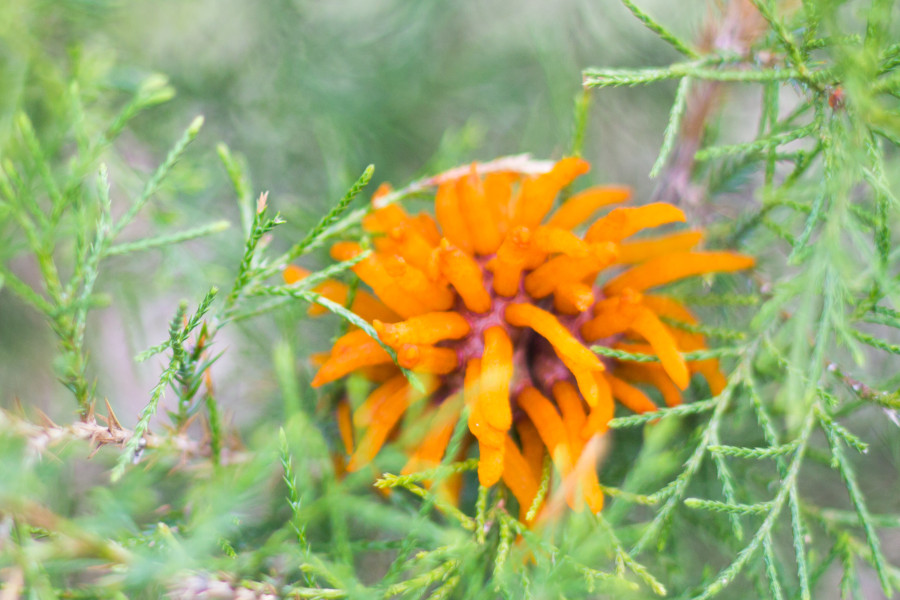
(496, 303)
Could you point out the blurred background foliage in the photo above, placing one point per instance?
(306, 94)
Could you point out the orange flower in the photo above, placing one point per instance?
(499, 309)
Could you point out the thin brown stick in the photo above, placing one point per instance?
(733, 30)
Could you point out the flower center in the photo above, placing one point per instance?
(535, 363)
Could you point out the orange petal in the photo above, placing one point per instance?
(546, 324)
(345, 425)
(586, 378)
(578, 209)
(450, 217)
(632, 398)
(365, 414)
(292, 274)
(427, 228)
(573, 415)
(429, 328)
(560, 269)
(593, 495)
(549, 425)
(712, 373)
(518, 477)
(465, 275)
(542, 281)
(687, 341)
(553, 240)
(634, 347)
(654, 375)
(427, 359)
(472, 382)
(390, 411)
(601, 413)
(384, 219)
(379, 373)
(372, 271)
(573, 298)
(532, 447)
(478, 424)
(511, 259)
(614, 315)
(408, 243)
(665, 306)
(537, 194)
(345, 250)
(385, 418)
(483, 432)
(490, 464)
(415, 283)
(709, 369)
(350, 340)
(604, 325)
(648, 326)
(641, 250)
(586, 473)
(496, 375)
(672, 267)
(498, 190)
(346, 360)
(433, 445)
(364, 304)
(383, 190)
(506, 279)
(623, 222)
(476, 211)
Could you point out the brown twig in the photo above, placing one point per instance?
(732, 32)
(41, 437)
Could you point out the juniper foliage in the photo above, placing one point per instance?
(778, 487)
